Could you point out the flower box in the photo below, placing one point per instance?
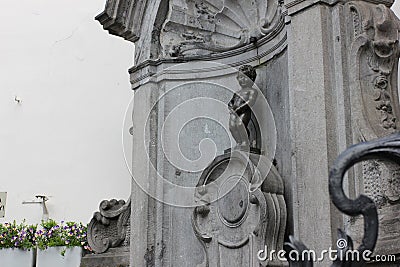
(52, 257)
(52, 245)
(12, 257)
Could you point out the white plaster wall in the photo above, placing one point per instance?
(64, 139)
(396, 7)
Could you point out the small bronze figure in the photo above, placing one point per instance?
(240, 105)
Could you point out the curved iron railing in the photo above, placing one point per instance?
(384, 148)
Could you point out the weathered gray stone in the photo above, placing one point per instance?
(375, 109)
(112, 258)
(241, 222)
(204, 27)
(310, 110)
(329, 74)
(109, 227)
(353, 58)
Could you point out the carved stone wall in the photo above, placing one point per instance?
(340, 60)
(373, 58)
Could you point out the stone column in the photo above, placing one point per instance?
(324, 116)
(310, 83)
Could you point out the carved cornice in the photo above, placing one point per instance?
(217, 56)
(123, 18)
(192, 28)
(267, 48)
(295, 6)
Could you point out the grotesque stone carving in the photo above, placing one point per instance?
(240, 105)
(240, 195)
(375, 49)
(109, 227)
(201, 27)
(375, 109)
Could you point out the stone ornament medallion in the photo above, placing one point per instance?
(245, 218)
(233, 203)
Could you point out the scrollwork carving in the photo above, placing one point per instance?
(375, 49)
(375, 109)
(109, 227)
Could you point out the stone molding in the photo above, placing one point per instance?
(155, 70)
(199, 29)
(295, 6)
(123, 18)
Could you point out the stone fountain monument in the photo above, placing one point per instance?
(214, 184)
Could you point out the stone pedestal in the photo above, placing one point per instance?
(188, 116)
(116, 257)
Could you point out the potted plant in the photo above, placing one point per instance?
(17, 244)
(60, 244)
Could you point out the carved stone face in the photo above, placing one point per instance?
(244, 81)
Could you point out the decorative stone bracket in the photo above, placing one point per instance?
(109, 227)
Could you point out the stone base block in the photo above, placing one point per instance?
(113, 258)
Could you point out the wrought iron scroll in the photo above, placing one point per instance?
(387, 148)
